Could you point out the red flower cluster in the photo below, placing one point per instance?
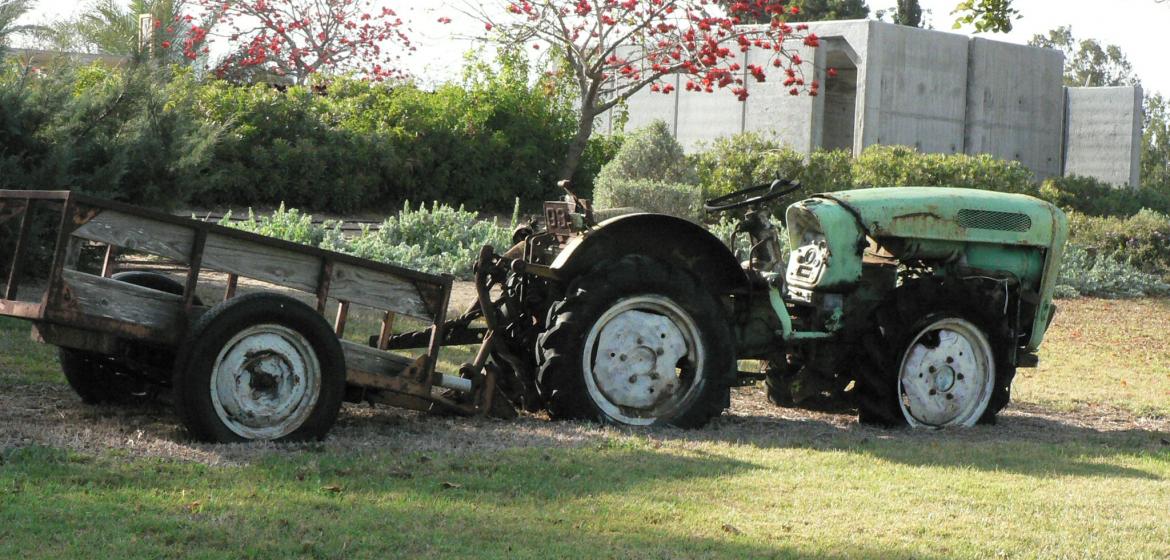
(298, 38)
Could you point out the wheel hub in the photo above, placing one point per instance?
(636, 358)
(947, 375)
(265, 382)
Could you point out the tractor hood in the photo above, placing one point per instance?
(955, 214)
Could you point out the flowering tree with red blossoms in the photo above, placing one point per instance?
(616, 48)
(299, 38)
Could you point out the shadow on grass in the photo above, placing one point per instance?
(1030, 445)
(617, 502)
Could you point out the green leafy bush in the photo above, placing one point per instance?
(130, 135)
(650, 172)
(1141, 241)
(650, 153)
(162, 139)
(734, 162)
(1097, 198)
(893, 166)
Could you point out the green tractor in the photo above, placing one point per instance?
(912, 305)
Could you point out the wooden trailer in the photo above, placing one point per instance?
(257, 366)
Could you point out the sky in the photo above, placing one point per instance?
(1137, 26)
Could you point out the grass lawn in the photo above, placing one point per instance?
(1052, 480)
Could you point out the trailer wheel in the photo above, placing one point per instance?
(259, 367)
(934, 363)
(98, 378)
(637, 342)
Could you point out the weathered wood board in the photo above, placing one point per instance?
(139, 234)
(370, 367)
(262, 262)
(102, 297)
(377, 289)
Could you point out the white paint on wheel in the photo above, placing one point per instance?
(265, 382)
(947, 375)
(643, 360)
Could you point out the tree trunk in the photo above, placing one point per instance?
(578, 145)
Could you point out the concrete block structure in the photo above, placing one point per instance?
(938, 92)
(1104, 133)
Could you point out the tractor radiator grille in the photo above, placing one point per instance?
(989, 219)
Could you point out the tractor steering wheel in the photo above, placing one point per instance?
(752, 195)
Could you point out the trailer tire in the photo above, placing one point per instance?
(102, 379)
(915, 316)
(621, 304)
(259, 367)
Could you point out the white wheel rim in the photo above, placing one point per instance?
(947, 375)
(265, 382)
(643, 360)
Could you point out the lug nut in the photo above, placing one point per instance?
(960, 377)
(950, 397)
(950, 360)
(633, 379)
(933, 392)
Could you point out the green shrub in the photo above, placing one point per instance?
(131, 135)
(894, 166)
(1141, 240)
(1089, 195)
(684, 201)
(649, 153)
(160, 138)
(650, 172)
(734, 162)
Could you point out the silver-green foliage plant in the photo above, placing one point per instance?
(1086, 272)
(289, 225)
(439, 239)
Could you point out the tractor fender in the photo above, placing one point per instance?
(666, 238)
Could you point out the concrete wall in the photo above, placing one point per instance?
(1015, 104)
(1103, 134)
(915, 88)
(938, 92)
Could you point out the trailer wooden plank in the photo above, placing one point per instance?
(263, 262)
(376, 369)
(380, 290)
(371, 360)
(136, 233)
(95, 296)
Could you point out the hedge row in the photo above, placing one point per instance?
(733, 162)
(161, 138)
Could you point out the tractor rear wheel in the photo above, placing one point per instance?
(636, 342)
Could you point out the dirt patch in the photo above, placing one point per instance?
(50, 415)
